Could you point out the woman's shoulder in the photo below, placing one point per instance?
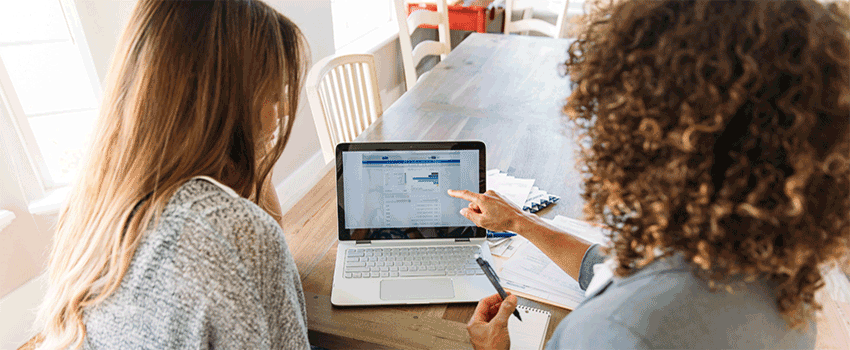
(207, 202)
(205, 234)
(204, 218)
(666, 305)
(204, 214)
(204, 195)
(212, 260)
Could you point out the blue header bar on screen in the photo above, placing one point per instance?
(412, 161)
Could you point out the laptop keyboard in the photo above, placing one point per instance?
(411, 262)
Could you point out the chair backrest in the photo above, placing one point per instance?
(343, 94)
(536, 25)
(411, 56)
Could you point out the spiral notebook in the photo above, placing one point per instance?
(530, 333)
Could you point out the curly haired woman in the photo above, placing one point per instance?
(716, 139)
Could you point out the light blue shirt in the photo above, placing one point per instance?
(665, 306)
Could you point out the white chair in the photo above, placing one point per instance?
(412, 56)
(343, 94)
(527, 23)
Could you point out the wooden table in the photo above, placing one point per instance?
(506, 91)
(503, 90)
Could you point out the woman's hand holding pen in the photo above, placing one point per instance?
(490, 211)
(488, 328)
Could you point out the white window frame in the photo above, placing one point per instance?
(6, 218)
(44, 196)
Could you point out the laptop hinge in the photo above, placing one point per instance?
(363, 241)
(461, 239)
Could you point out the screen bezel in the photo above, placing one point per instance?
(344, 233)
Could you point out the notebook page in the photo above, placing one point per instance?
(530, 333)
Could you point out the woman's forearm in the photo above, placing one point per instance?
(564, 249)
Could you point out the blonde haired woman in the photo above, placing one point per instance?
(167, 240)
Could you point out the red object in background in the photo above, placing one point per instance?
(473, 17)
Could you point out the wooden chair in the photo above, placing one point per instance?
(343, 94)
(411, 56)
(527, 23)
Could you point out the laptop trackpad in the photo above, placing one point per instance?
(429, 288)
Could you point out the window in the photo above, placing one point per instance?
(6, 218)
(49, 89)
(353, 19)
(49, 97)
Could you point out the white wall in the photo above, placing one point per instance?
(103, 21)
(390, 70)
(313, 17)
(24, 243)
(23, 247)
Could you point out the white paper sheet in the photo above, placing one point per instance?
(530, 271)
(513, 189)
(534, 273)
(570, 301)
(582, 229)
(507, 249)
(530, 333)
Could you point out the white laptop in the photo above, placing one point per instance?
(402, 239)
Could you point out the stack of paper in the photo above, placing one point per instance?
(531, 272)
(513, 189)
(520, 192)
(508, 248)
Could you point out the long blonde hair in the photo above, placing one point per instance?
(184, 98)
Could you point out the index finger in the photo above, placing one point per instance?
(464, 194)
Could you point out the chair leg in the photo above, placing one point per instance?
(527, 13)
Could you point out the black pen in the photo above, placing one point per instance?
(494, 280)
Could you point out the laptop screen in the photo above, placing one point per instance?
(401, 193)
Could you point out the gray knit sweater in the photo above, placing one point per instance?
(215, 273)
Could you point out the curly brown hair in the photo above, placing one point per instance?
(718, 130)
